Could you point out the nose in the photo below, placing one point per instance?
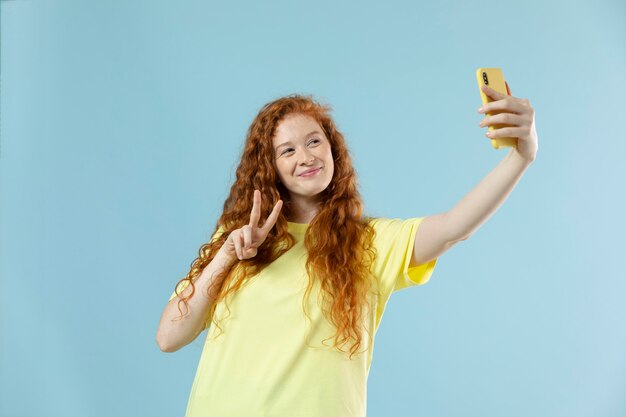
(306, 157)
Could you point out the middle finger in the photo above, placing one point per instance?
(237, 242)
(502, 118)
(510, 104)
(255, 214)
(247, 237)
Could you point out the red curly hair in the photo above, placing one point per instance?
(338, 240)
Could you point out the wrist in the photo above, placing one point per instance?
(526, 160)
(225, 258)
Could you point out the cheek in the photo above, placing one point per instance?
(326, 151)
(329, 155)
(281, 168)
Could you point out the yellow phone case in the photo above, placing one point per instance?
(494, 78)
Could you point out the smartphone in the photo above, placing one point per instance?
(494, 78)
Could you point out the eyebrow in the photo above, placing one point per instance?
(290, 143)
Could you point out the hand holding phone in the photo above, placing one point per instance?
(494, 78)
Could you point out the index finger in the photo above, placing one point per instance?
(495, 94)
(271, 219)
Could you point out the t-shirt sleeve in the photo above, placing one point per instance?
(184, 284)
(394, 242)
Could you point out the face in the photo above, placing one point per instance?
(300, 144)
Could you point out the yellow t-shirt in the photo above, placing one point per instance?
(260, 364)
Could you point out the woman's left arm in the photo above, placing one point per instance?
(481, 202)
(438, 233)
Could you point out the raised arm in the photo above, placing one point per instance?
(438, 233)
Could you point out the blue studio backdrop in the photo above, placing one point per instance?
(122, 123)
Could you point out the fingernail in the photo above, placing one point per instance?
(480, 110)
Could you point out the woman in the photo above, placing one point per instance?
(280, 282)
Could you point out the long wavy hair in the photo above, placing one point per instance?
(338, 240)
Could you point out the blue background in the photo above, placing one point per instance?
(122, 124)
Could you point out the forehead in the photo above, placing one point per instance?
(294, 127)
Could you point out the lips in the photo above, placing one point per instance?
(309, 171)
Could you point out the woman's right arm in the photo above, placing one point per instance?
(241, 244)
(174, 334)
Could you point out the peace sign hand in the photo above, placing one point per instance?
(242, 243)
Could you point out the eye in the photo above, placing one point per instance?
(291, 149)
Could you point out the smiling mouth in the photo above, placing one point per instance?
(309, 174)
